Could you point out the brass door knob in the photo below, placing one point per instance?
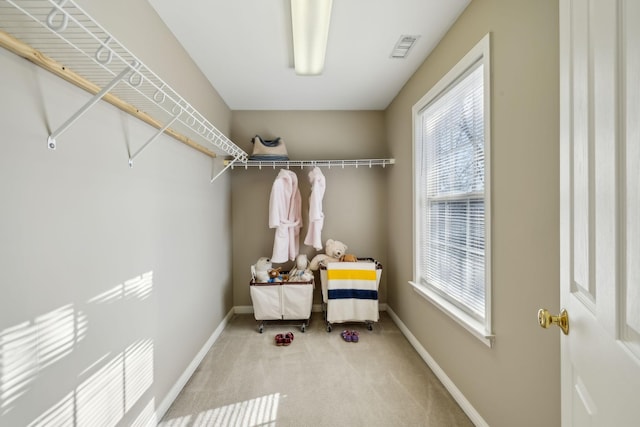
(545, 319)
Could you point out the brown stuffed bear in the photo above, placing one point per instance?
(348, 258)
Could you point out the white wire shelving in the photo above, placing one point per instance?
(61, 37)
(288, 164)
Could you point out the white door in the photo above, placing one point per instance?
(600, 211)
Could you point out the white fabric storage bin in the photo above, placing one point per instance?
(352, 294)
(282, 300)
(297, 300)
(266, 300)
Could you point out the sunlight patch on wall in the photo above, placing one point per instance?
(177, 422)
(138, 369)
(18, 363)
(139, 287)
(28, 348)
(147, 416)
(99, 400)
(108, 394)
(56, 334)
(112, 295)
(59, 415)
(262, 412)
(110, 385)
(93, 365)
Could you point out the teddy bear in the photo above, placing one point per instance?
(348, 258)
(333, 249)
(260, 270)
(274, 275)
(301, 272)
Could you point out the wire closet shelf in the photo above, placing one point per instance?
(64, 33)
(310, 163)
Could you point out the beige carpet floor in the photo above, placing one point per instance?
(318, 380)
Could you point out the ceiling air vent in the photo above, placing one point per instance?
(403, 46)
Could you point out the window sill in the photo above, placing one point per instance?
(463, 319)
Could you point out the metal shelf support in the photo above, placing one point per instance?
(51, 141)
(153, 138)
(230, 164)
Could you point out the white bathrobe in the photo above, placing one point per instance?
(316, 216)
(285, 215)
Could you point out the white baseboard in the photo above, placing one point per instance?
(164, 406)
(243, 309)
(439, 372)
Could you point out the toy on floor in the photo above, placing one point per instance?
(333, 249)
(301, 272)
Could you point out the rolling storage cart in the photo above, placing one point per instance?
(350, 291)
(282, 301)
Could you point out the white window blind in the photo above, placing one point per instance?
(452, 193)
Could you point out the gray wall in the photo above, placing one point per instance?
(111, 279)
(516, 383)
(354, 202)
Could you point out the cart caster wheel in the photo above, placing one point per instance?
(303, 328)
(370, 326)
(328, 328)
(260, 329)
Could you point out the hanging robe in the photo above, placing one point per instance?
(285, 215)
(316, 216)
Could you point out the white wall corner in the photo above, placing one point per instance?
(466, 406)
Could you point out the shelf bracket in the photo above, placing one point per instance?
(153, 138)
(225, 168)
(51, 141)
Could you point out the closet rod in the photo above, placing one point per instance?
(27, 52)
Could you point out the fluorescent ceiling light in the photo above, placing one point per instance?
(310, 23)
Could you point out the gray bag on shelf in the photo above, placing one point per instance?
(268, 149)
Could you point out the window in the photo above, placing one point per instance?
(451, 192)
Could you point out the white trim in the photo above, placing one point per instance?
(243, 309)
(164, 406)
(457, 395)
(475, 327)
(480, 52)
(485, 45)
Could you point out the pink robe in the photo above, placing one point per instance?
(316, 216)
(285, 215)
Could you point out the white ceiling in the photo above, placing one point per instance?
(244, 48)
